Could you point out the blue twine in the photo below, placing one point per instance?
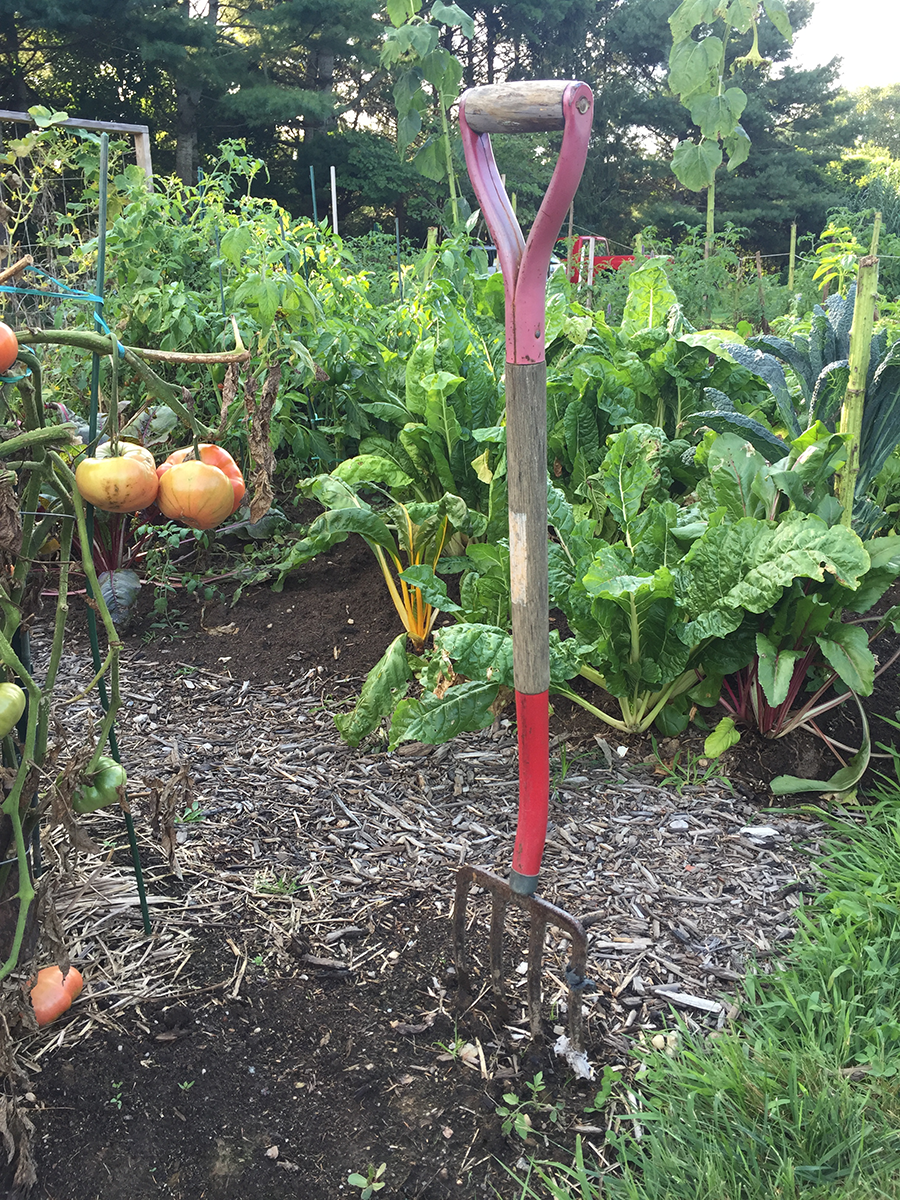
(65, 293)
(15, 378)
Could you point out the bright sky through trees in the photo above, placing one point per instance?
(862, 33)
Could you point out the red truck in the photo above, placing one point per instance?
(585, 260)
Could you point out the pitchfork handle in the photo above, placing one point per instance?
(533, 106)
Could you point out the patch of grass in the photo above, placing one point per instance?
(802, 1100)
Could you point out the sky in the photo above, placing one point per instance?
(864, 33)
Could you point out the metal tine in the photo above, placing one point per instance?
(536, 932)
(498, 917)
(542, 913)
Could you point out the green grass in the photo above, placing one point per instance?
(801, 1100)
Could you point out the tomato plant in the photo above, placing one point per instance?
(53, 993)
(120, 477)
(9, 347)
(104, 787)
(12, 705)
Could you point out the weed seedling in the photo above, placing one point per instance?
(116, 1098)
(370, 1183)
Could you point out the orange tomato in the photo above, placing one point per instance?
(213, 456)
(118, 481)
(195, 493)
(9, 347)
(52, 994)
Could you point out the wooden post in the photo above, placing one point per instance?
(792, 259)
(762, 297)
(140, 133)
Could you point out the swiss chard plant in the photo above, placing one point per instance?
(417, 532)
(811, 652)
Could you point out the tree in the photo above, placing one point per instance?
(879, 110)
(246, 68)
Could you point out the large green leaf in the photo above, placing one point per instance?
(881, 418)
(689, 14)
(384, 686)
(371, 468)
(737, 147)
(477, 651)
(464, 708)
(629, 470)
(694, 66)
(846, 649)
(650, 297)
(778, 15)
(734, 467)
(337, 524)
(419, 364)
(439, 413)
(452, 14)
(695, 163)
(745, 566)
(718, 115)
(725, 418)
(432, 587)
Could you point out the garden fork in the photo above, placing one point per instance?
(527, 107)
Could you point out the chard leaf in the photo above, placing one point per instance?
(464, 708)
(745, 566)
(775, 669)
(722, 738)
(846, 649)
(371, 468)
(384, 685)
(842, 781)
(433, 588)
(120, 590)
(629, 470)
(650, 296)
(337, 524)
(482, 652)
(884, 553)
(733, 470)
(565, 658)
(331, 492)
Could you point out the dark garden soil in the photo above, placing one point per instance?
(294, 1016)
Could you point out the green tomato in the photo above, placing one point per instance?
(103, 790)
(12, 705)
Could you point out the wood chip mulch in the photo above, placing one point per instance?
(303, 839)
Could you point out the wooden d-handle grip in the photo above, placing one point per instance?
(530, 106)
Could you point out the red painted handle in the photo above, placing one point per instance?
(567, 105)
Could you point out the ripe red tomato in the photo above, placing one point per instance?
(213, 456)
(196, 493)
(120, 481)
(9, 347)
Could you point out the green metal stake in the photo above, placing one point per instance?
(92, 434)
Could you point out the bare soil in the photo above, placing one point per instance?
(295, 1014)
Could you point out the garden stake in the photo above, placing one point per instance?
(527, 107)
